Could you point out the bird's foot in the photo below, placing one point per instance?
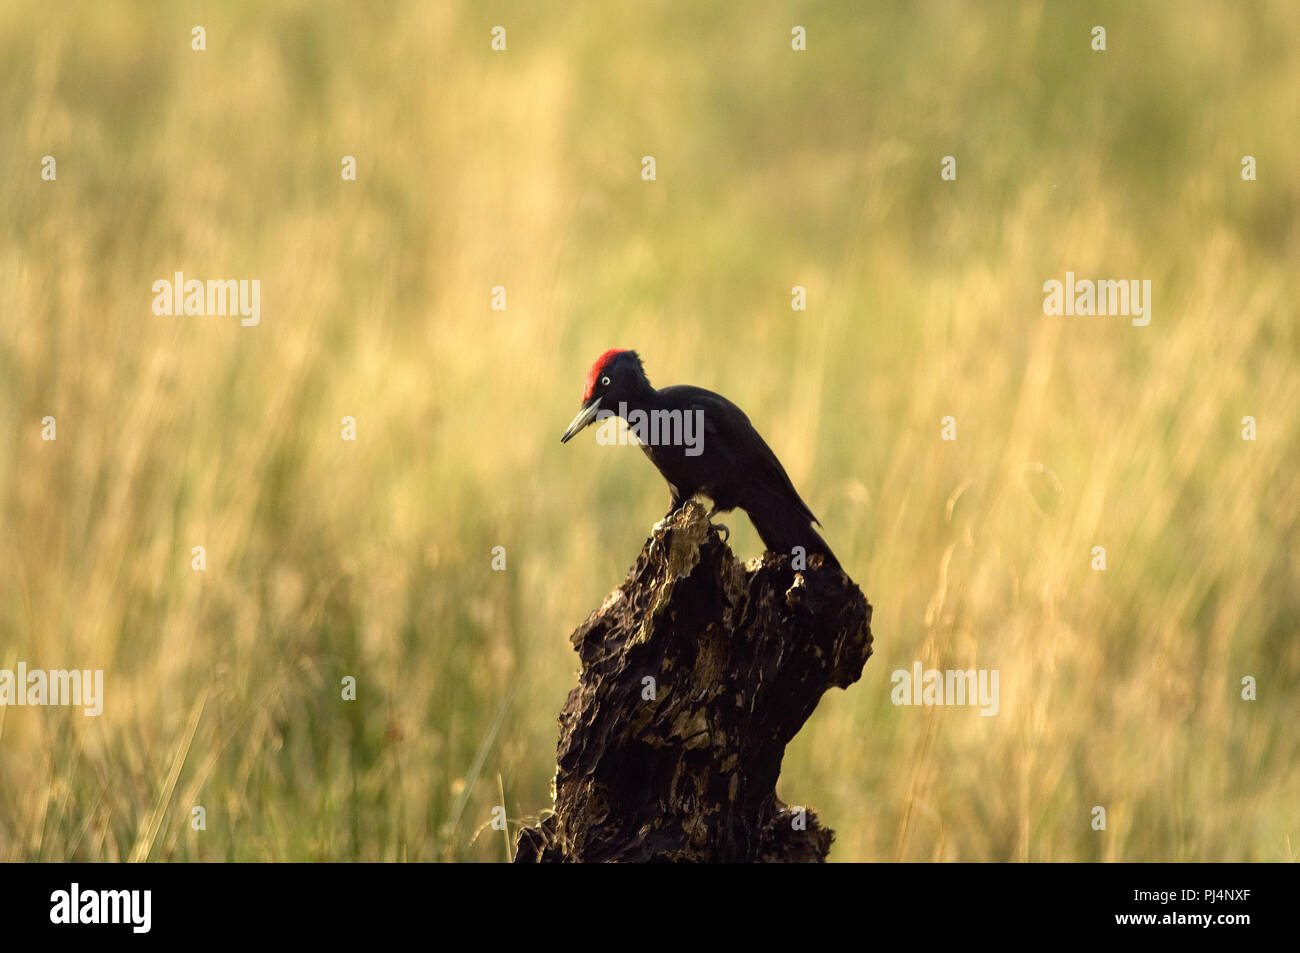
(726, 533)
(663, 523)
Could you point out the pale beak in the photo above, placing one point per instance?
(585, 417)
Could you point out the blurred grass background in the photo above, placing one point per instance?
(328, 558)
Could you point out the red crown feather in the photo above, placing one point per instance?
(593, 375)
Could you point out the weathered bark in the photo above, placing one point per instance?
(696, 674)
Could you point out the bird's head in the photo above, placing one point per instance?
(617, 376)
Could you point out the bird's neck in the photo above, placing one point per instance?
(643, 398)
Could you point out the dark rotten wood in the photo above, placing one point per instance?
(739, 658)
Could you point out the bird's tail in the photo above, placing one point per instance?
(782, 527)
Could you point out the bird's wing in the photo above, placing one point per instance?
(727, 422)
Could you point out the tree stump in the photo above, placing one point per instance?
(696, 674)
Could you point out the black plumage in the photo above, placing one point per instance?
(733, 466)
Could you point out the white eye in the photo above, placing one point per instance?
(604, 381)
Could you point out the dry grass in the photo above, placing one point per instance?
(521, 169)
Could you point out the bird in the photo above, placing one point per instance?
(702, 444)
